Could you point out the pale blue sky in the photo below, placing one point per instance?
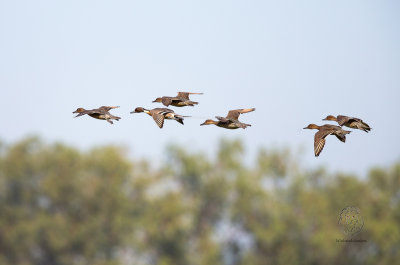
(295, 61)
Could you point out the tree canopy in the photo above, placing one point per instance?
(61, 205)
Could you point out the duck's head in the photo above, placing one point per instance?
(157, 100)
(330, 118)
(107, 108)
(79, 110)
(208, 122)
(312, 126)
(138, 110)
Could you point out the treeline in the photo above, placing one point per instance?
(60, 205)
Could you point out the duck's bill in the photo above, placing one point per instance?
(132, 112)
(114, 107)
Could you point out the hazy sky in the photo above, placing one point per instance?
(295, 61)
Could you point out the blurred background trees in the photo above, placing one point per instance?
(59, 205)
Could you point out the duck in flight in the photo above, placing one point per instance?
(231, 121)
(351, 122)
(101, 113)
(181, 100)
(323, 132)
(160, 114)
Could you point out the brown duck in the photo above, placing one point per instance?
(101, 113)
(159, 114)
(181, 100)
(323, 132)
(231, 121)
(351, 122)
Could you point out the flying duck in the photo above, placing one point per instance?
(181, 100)
(323, 132)
(101, 113)
(231, 121)
(351, 122)
(159, 114)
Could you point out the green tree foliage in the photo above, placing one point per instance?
(60, 205)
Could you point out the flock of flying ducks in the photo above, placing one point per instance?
(328, 129)
(231, 121)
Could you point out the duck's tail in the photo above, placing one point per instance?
(244, 125)
(115, 118)
(192, 103)
(365, 127)
(180, 120)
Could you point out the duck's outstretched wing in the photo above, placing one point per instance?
(319, 140)
(107, 108)
(234, 114)
(185, 95)
(159, 119)
(221, 119)
(341, 120)
(158, 115)
(166, 101)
